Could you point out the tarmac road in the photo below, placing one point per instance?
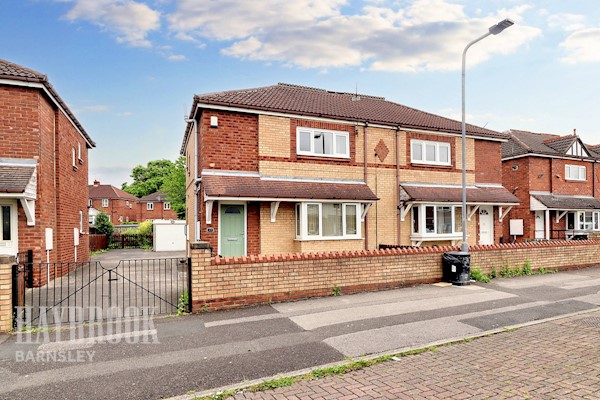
(199, 352)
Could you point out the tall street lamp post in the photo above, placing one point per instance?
(493, 30)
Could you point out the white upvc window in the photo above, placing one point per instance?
(74, 156)
(428, 152)
(436, 220)
(80, 221)
(583, 221)
(575, 172)
(322, 143)
(89, 202)
(79, 153)
(104, 202)
(328, 221)
(91, 219)
(149, 206)
(167, 205)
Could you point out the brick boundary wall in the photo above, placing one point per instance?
(219, 283)
(6, 303)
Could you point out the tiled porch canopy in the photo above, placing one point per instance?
(492, 195)
(563, 202)
(253, 187)
(257, 188)
(18, 181)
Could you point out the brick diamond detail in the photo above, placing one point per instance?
(381, 150)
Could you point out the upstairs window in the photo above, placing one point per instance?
(427, 152)
(575, 172)
(149, 206)
(319, 142)
(89, 202)
(74, 156)
(104, 202)
(167, 205)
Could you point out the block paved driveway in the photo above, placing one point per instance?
(552, 360)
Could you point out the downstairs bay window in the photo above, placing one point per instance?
(436, 221)
(583, 221)
(328, 221)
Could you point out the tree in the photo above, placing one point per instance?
(103, 224)
(174, 187)
(149, 179)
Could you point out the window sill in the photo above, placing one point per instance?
(318, 157)
(321, 239)
(575, 180)
(418, 164)
(431, 237)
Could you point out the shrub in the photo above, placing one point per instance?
(479, 276)
(527, 268)
(103, 224)
(145, 228)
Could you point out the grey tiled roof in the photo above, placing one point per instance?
(12, 71)
(307, 101)
(15, 178)
(524, 142)
(156, 196)
(478, 194)
(562, 202)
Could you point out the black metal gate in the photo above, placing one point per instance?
(91, 292)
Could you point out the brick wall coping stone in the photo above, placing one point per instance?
(386, 252)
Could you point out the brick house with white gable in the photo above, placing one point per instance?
(286, 168)
(557, 180)
(43, 170)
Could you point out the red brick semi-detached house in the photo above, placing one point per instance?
(286, 168)
(155, 206)
(557, 180)
(43, 170)
(119, 205)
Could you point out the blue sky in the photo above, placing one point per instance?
(129, 69)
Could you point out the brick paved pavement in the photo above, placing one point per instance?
(554, 360)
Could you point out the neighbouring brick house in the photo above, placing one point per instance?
(43, 170)
(119, 205)
(557, 180)
(286, 168)
(155, 206)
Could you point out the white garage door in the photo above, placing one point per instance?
(169, 235)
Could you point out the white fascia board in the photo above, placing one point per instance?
(549, 156)
(355, 123)
(41, 86)
(287, 200)
(469, 203)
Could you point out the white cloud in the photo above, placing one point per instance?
(426, 35)
(567, 22)
(582, 46)
(176, 57)
(129, 20)
(125, 114)
(91, 108)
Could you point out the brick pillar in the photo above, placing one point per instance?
(201, 257)
(6, 264)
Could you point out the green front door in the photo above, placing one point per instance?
(233, 238)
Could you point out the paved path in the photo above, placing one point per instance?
(197, 353)
(559, 359)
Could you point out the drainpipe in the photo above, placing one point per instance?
(196, 178)
(398, 211)
(365, 178)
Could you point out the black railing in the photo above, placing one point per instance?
(130, 241)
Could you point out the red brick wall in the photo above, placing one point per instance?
(233, 145)
(158, 212)
(515, 178)
(488, 156)
(118, 208)
(31, 127)
(228, 283)
(562, 186)
(540, 176)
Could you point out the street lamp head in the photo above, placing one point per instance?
(500, 26)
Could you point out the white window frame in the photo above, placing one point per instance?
(579, 175)
(80, 221)
(312, 132)
(581, 225)
(303, 208)
(89, 202)
(420, 209)
(74, 158)
(104, 202)
(149, 206)
(79, 152)
(167, 205)
(423, 159)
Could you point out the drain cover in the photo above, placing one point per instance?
(591, 321)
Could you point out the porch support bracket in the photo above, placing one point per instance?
(29, 208)
(404, 211)
(560, 215)
(504, 213)
(209, 208)
(274, 208)
(472, 212)
(365, 211)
